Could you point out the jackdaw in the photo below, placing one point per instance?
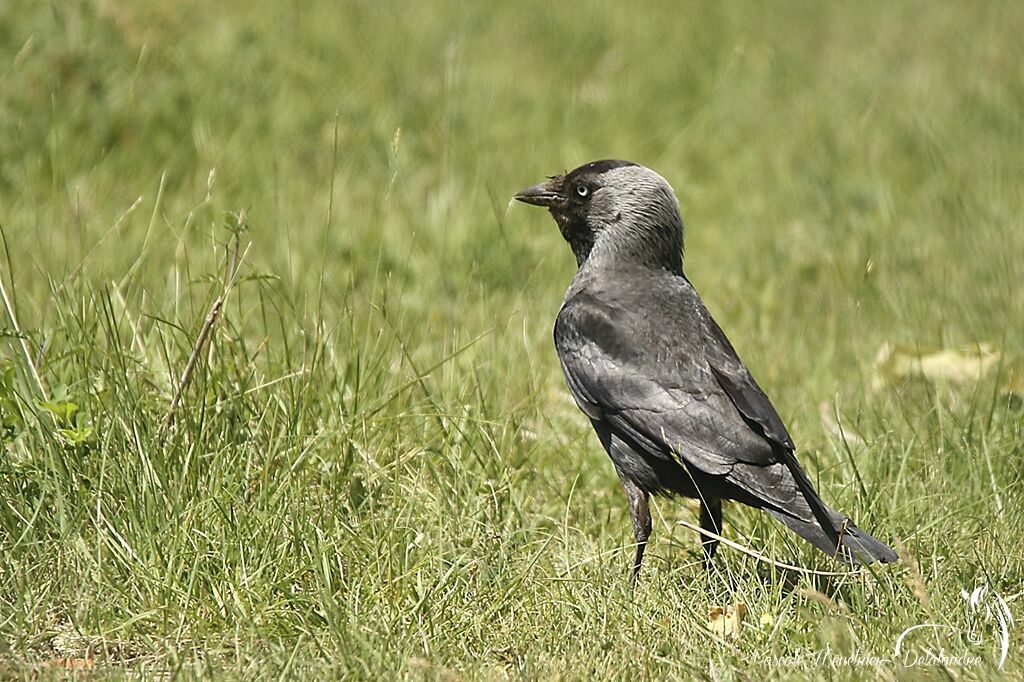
(671, 402)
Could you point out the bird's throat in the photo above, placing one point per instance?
(579, 237)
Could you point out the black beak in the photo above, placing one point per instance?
(548, 193)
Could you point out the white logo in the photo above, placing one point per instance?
(982, 606)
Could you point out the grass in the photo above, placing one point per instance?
(375, 469)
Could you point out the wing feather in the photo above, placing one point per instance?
(670, 403)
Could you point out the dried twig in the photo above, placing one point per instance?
(231, 276)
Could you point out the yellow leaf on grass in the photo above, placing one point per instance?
(726, 620)
(955, 365)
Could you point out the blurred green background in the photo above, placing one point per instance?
(376, 468)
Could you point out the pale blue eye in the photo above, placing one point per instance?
(582, 190)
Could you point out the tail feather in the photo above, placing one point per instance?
(854, 545)
(785, 491)
(830, 531)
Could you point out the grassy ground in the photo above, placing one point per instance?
(374, 468)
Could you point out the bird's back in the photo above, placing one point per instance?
(640, 350)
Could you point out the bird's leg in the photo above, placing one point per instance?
(640, 512)
(710, 520)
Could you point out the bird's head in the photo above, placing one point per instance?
(614, 212)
